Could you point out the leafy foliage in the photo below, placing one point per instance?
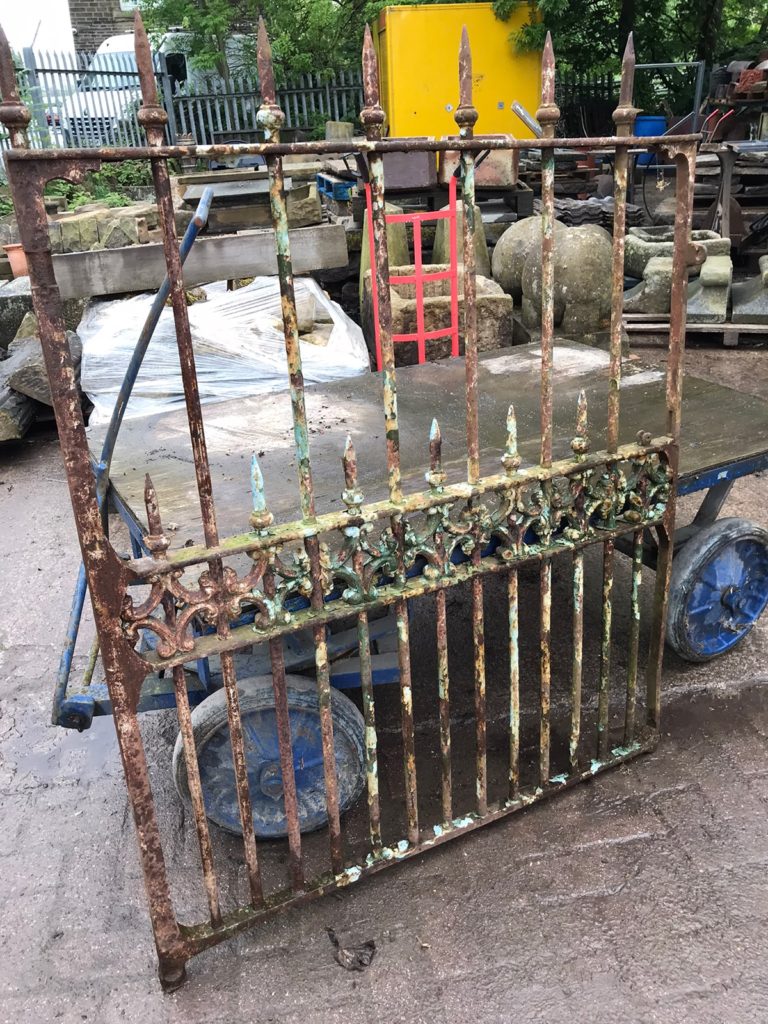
(589, 35)
(105, 186)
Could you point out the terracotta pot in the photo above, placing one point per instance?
(18, 259)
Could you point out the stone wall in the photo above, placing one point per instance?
(93, 21)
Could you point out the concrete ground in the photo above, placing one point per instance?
(639, 897)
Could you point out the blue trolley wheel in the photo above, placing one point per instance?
(262, 753)
(719, 589)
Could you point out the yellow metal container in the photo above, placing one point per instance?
(418, 50)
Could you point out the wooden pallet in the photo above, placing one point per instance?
(639, 324)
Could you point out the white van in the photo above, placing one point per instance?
(102, 110)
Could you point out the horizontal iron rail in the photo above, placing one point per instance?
(244, 636)
(403, 145)
(420, 501)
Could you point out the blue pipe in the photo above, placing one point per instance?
(79, 717)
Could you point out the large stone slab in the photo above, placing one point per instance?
(248, 254)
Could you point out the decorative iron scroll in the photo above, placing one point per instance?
(509, 519)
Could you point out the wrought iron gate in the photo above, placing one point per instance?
(369, 555)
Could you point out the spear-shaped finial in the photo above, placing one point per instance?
(548, 113)
(13, 113)
(580, 443)
(510, 460)
(261, 517)
(156, 541)
(349, 462)
(435, 477)
(150, 115)
(352, 496)
(264, 64)
(371, 116)
(269, 116)
(624, 115)
(466, 115)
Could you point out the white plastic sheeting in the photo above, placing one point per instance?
(238, 342)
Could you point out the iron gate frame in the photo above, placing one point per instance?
(500, 522)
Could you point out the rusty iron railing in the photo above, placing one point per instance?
(376, 555)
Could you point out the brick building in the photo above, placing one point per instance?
(93, 21)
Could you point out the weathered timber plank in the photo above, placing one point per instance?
(248, 254)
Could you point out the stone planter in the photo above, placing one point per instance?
(494, 315)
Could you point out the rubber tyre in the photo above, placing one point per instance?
(725, 562)
(214, 752)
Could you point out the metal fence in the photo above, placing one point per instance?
(492, 509)
(84, 100)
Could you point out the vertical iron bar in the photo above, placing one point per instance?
(105, 573)
(353, 498)
(436, 480)
(157, 544)
(685, 169)
(604, 691)
(270, 118)
(634, 637)
(153, 119)
(580, 447)
(465, 118)
(260, 521)
(623, 117)
(372, 118)
(322, 669)
(511, 462)
(578, 645)
(547, 115)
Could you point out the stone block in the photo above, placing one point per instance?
(708, 295)
(441, 250)
(642, 244)
(495, 326)
(115, 236)
(499, 169)
(339, 130)
(410, 170)
(653, 293)
(54, 233)
(750, 298)
(304, 209)
(24, 369)
(81, 231)
(15, 303)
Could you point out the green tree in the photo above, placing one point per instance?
(589, 35)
